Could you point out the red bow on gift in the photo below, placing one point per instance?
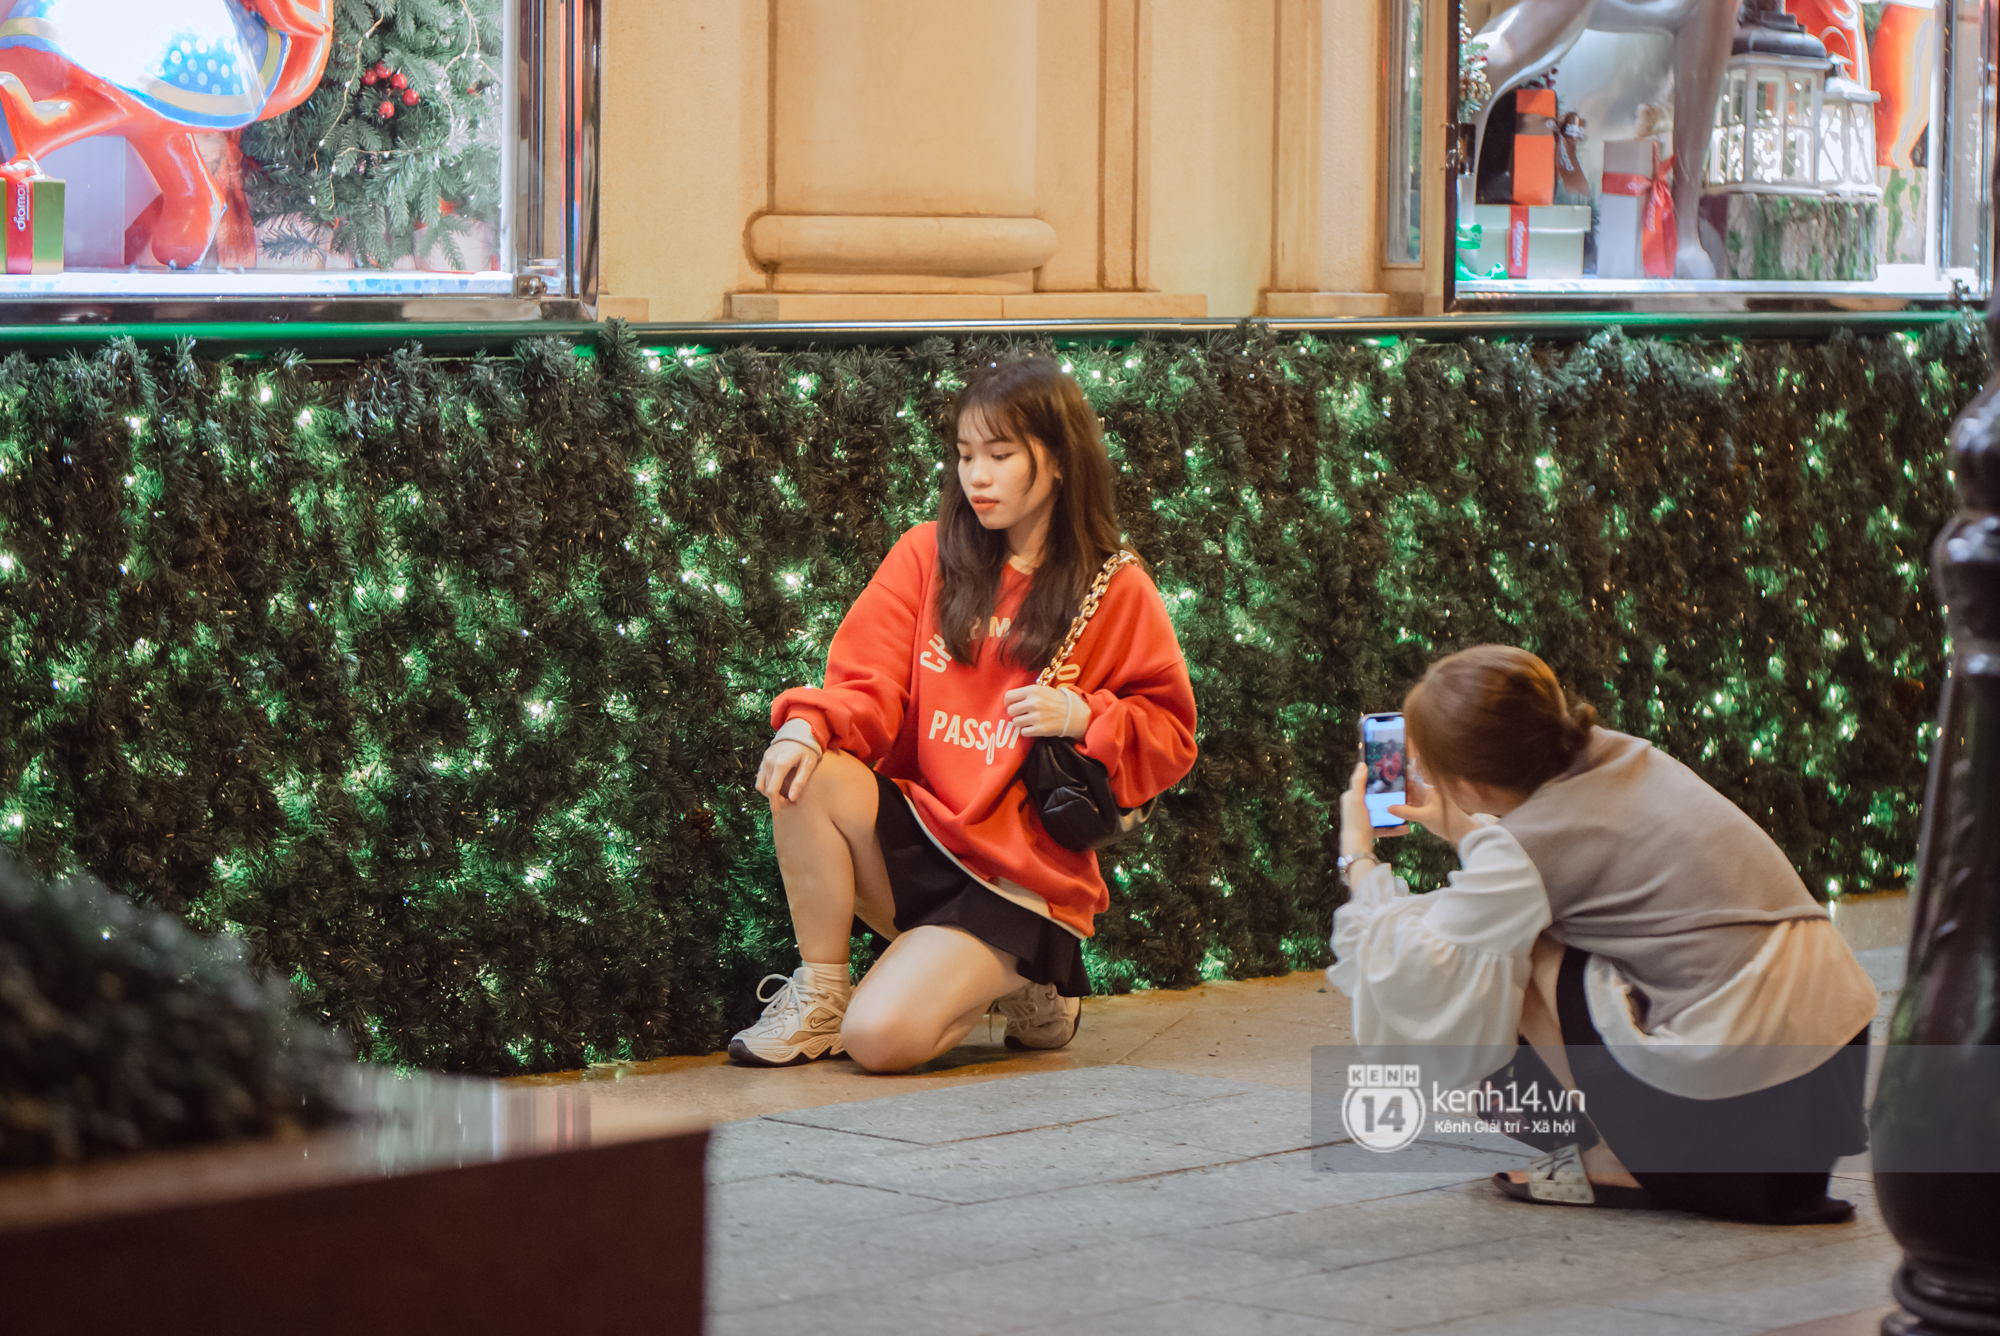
(1661, 231)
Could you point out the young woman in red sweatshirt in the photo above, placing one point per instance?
(894, 792)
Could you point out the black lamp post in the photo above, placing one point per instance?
(1938, 1103)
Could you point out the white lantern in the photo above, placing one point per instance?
(1767, 128)
(1847, 138)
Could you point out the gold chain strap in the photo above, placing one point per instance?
(1084, 614)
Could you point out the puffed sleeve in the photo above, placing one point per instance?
(1450, 968)
(861, 707)
(1141, 701)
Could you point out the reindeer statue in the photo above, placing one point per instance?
(1534, 35)
(157, 73)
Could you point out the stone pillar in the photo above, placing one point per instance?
(902, 155)
(1327, 166)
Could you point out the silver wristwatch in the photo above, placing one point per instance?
(1346, 861)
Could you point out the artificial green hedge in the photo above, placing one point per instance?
(443, 683)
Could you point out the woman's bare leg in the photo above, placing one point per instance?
(923, 996)
(1542, 1028)
(831, 860)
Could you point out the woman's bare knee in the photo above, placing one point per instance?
(880, 1044)
(839, 789)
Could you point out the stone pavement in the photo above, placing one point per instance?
(1127, 1199)
(1156, 1177)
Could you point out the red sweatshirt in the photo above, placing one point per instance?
(939, 728)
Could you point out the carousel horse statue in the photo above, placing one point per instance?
(157, 73)
(1534, 35)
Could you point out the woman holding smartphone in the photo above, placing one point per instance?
(1650, 942)
(893, 788)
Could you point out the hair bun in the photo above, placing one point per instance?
(1582, 718)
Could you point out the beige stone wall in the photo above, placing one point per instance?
(1069, 49)
(1350, 159)
(829, 159)
(685, 138)
(1213, 123)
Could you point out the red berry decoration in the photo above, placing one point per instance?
(386, 111)
(381, 69)
(369, 78)
(399, 80)
(410, 98)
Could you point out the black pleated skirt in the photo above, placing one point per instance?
(930, 888)
(1785, 1139)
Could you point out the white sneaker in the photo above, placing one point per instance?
(1039, 1017)
(799, 1024)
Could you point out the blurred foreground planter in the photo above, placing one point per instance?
(447, 1205)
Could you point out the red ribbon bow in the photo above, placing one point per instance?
(1661, 232)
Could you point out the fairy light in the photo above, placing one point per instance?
(486, 688)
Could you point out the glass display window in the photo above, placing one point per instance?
(1718, 153)
(361, 156)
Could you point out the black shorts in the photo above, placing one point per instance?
(930, 888)
(1784, 1138)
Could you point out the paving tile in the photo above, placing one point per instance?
(1263, 1122)
(1440, 1286)
(1084, 1282)
(1273, 1185)
(1407, 1225)
(757, 1264)
(1026, 1162)
(1009, 1228)
(1204, 1317)
(1465, 1157)
(1126, 1199)
(1582, 1319)
(1040, 1099)
(1636, 1249)
(1872, 919)
(1251, 1043)
(877, 1312)
(1859, 1188)
(1804, 1283)
(759, 1146)
(1607, 1258)
(1861, 1322)
(745, 1253)
(891, 1250)
(759, 1203)
(1885, 966)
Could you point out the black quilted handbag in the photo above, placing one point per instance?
(1071, 792)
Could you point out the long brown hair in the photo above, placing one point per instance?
(1495, 715)
(1027, 399)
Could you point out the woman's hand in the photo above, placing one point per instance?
(1433, 809)
(786, 760)
(1048, 712)
(1357, 831)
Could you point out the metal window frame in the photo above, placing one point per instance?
(1399, 122)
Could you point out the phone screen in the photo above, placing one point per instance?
(1388, 762)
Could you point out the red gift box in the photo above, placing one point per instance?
(1545, 150)
(1535, 146)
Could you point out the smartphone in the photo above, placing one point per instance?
(1388, 762)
